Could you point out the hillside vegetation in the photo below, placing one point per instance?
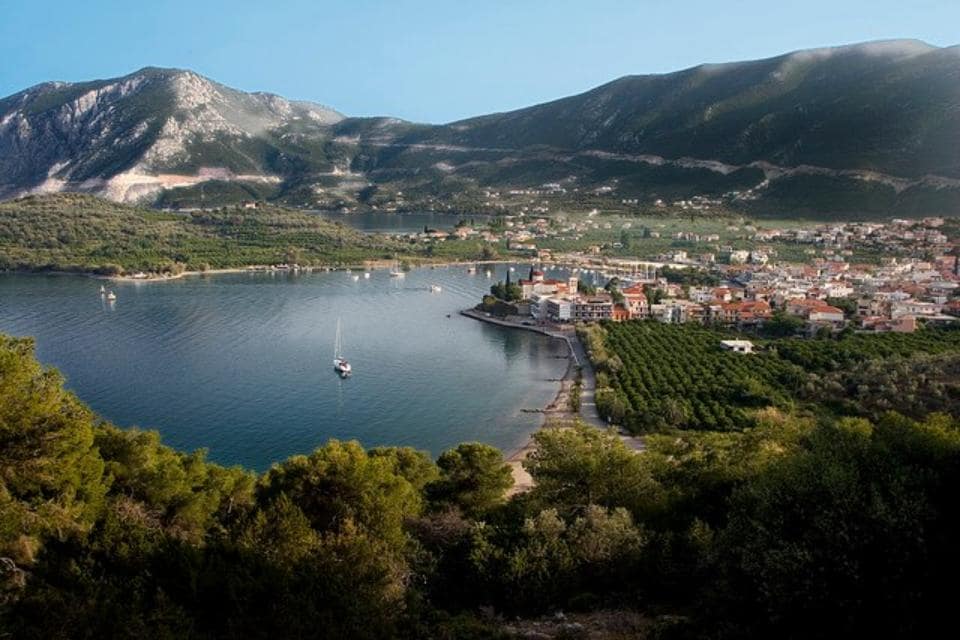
(82, 233)
(656, 377)
(105, 532)
(888, 107)
(860, 130)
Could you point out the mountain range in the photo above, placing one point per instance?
(872, 128)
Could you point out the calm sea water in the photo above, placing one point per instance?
(241, 364)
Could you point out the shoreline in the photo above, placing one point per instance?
(371, 265)
(556, 410)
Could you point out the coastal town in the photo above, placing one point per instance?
(917, 283)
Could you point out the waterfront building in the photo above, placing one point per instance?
(592, 308)
(559, 310)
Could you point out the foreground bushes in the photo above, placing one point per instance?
(792, 528)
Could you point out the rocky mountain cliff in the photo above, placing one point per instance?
(871, 128)
(129, 137)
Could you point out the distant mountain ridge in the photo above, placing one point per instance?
(119, 137)
(874, 125)
(793, 109)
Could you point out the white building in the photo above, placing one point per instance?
(559, 310)
(739, 346)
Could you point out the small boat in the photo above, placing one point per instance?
(366, 275)
(340, 364)
(513, 268)
(488, 273)
(435, 288)
(111, 296)
(355, 278)
(103, 290)
(396, 272)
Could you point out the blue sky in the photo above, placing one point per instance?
(433, 61)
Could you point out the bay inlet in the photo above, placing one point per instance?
(241, 364)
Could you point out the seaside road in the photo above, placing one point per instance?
(588, 398)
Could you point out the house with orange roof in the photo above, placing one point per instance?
(538, 284)
(635, 301)
(744, 312)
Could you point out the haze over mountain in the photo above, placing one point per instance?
(870, 128)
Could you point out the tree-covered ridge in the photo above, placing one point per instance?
(83, 233)
(106, 532)
(654, 376)
(868, 129)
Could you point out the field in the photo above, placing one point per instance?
(623, 234)
(654, 377)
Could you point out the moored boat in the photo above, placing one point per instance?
(340, 364)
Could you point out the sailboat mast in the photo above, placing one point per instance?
(337, 346)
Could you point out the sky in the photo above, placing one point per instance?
(432, 60)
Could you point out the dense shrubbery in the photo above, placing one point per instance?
(654, 376)
(693, 277)
(913, 385)
(107, 533)
(71, 232)
(855, 349)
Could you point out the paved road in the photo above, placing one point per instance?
(588, 395)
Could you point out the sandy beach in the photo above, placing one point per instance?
(557, 414)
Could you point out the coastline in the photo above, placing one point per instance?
(555, 413)
(259, 268)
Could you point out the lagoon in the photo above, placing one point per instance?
(241, 364)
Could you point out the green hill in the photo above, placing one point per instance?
(73, 232)
(860, 130)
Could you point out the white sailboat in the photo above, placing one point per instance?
(396, 272)
(340, 364)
